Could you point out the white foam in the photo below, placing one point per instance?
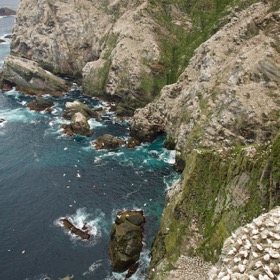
(13, 92)
(94, 123)
(55, 126)
(19, 115)
(107, 155)
(93, 221)
(93, 267)
(169, 157)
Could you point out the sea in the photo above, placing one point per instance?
(46, 175)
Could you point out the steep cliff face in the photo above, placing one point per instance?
(113, 45)
(228, 95)
(222, 116)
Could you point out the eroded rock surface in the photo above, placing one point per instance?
(79, 125)
(228, 94)
(69, 225)
(76, 106)
(41, 104)
(126, 240)
(30, 78)
(108, 142)
(102, 41)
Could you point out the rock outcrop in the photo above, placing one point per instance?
(27, 76)
(102, 41)
(76, 106)
(107, 142)
(228, 93)
(69, 225)
(79, 125)
(126, 240)
(222, 118)
(41, 104)
(7, 12)
(113, 45)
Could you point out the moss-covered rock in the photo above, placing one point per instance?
(219, 191)
(126, 240)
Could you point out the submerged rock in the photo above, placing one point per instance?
(126, 241)
(7, 12)
(27, 76)
(76, 106)
(79, 125)
(1, 120)
(68, 225)
(108, 142)
(41, 104)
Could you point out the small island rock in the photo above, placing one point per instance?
(126, 241)
(41, 104)
(108, 142)
(78, 125)
(68, 225)
(76, 106)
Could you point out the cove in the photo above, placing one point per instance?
(45, 176)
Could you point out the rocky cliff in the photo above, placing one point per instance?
(221, 114)
(115, 46)
(222, 118)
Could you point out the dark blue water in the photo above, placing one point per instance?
(45, 175)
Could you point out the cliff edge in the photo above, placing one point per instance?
(222, 118)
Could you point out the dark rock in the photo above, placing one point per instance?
(2, 41)
(146, 134)
(132, 143)
(74, 107)
(108, 142)
(9, 36)
(78, 125)
(126, 241)
(67, 129)
(41, 104)
(7, 12)
(68, 225)
(1, 120)
(132, 270)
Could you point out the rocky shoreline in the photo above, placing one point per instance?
(221, 114)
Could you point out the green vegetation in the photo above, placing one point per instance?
(220, 193)
(184, 25)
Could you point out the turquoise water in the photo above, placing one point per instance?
(46, 175)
